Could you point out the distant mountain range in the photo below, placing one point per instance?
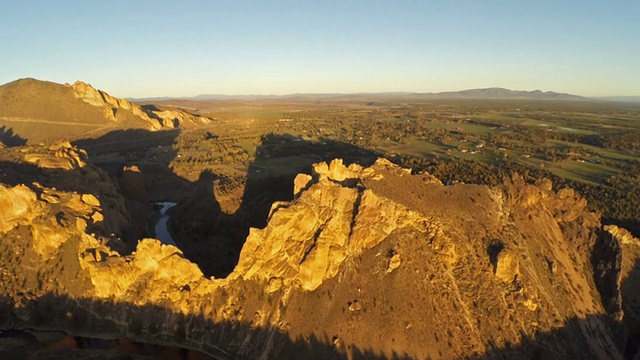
(501, 93)
(488, 93)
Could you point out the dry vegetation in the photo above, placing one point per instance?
(592, 147)
(226, 175)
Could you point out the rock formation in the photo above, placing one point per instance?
(132, 184)
(630, 247)
(364, 262)
(40, 111)
(47, 171)
(111, 106)
(65, 157)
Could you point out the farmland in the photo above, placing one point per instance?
(233, 169)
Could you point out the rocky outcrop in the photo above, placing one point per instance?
(622, 235)
(65, 157)
(630, 282)
(112, 105)
(363, 262)
(177, 118)
(132, 184)
(324, 226)
(39, 175)
(165, 271)
(15, 207)
(34, 111)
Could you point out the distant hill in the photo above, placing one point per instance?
(36, 111)
(501, 93)
(488, 93)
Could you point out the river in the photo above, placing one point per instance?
(162, 233)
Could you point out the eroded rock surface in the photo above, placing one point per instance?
(111, 106)
(40, 111)
(364, 262)
(630, 283)
(61, 155)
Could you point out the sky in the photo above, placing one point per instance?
(190, 47)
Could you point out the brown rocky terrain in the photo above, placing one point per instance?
(37, 111)
(364, 262)
(630, 284)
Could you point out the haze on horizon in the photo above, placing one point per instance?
(169, 48)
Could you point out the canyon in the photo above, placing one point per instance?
(364, 262)
(288, 239)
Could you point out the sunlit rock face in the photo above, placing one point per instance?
(61, 155)
(363, 262)
(307, 241)
(16, 207)
(34, 111)
(111, 105)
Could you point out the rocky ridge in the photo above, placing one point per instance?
(630, 248)
(111, 105)
(157, 119)
(364, 262)
(40, 111)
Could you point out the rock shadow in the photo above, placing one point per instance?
(631, 307)
(212, 238)
(123, 329)
(92, 180)
(209, 236)
(151, 151)
(9, 138)
(128, 156)
(566, 342)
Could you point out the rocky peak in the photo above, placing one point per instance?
(89, 94)
(157, 119)
(330, 221)
(622, 235)
(132, 184)
(112, 105)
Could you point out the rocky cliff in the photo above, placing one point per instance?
(363, 263)
(41, 111)
(630, 247)
(110, 106)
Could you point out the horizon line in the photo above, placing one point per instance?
(329, 93)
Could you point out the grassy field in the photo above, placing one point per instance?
(583, 171)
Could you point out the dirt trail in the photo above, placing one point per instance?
(43, 121)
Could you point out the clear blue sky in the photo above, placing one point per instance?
(182, 48)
